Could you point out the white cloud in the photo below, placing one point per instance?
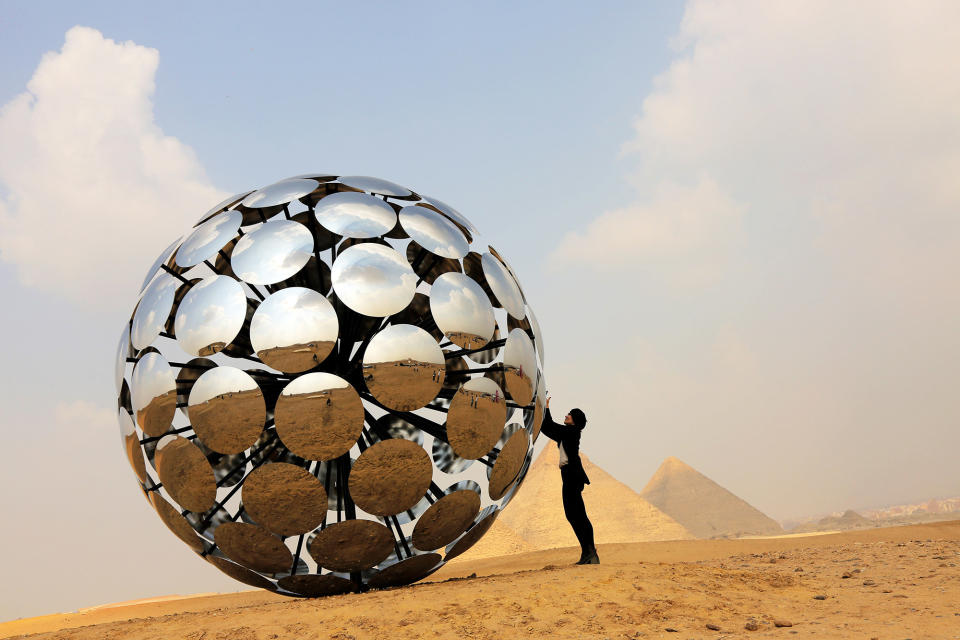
(93, 188)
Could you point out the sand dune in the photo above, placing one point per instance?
(901, 582)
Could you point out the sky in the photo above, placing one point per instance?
(738, 223)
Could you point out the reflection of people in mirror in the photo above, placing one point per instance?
(567, 437)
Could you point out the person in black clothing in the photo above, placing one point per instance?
(567, 436)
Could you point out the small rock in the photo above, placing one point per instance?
(713, 627)
(846, 574)
(782, 623)
(773, 561)
(751, 625)
(820, 597)
(798, 569)
(670, 630)
(869, 583)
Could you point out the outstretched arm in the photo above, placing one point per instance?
(549, 428)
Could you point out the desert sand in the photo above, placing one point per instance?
(896, 582)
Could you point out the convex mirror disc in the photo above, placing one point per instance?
(503, 285)
(403, 367)
(294, 329)
(476, 417)
(373, 280)
(319, 416)
(153, 311)
(210, 315)
(207, 239)
(227, 409)
(274, 252)
(154, 394)
(376, 185)
(280, 193)
(355, 215)
(519, 366)
(462, 310)
(433, 232)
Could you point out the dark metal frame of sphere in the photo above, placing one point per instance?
(330, 384)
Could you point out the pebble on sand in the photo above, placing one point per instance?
(751, 625)
(713, 627)
(820, 597)
(782, 623)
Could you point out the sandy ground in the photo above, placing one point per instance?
(898, 582)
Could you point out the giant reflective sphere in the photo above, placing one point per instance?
(329, 384)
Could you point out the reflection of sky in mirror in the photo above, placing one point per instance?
(375, 185)
(293, 316)
(212, 311)
(209, 238)
(503, 286)
(166, 440)
(274, 252)
(373, 279)
(433, 232)
(355, 215)
(483, 385)
(126, 423)
(400, 342)
(152, 377)
(225, 203)
(156, 263)
(452, 213)
(123, 350)
(153, 311)
(217, 381)
(458, 304)
(518, 352)
(314, 383)
(280, 193)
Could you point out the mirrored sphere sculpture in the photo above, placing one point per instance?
(329, 384)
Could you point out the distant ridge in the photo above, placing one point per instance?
(534, 520)
(705, 508)
(849, 520)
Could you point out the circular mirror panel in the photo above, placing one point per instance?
(403, 367)
(210, 315)
(476, 417)
(154, 394)
(519, 367)
(227, 409)
(355, 215)
(319, 416)
(503, 285)
(275, 251)
(280, 193)
(373, 280)
(433, 232)
(376, 185)
(294, 329)
(462, 310)
(207, 239)
(153, 311)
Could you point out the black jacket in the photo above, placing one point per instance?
(569, 437)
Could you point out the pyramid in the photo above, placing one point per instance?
(849, 520)
(534, 519)
(705, 508)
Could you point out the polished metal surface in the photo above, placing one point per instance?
(319, 416)
(280, 193)
(210, 315)
(403, 367)
(226, 409)
(373, 279)
(376, 185)
(153, 311)
(462, 311)
(294, 329)
(433, 232)
(207, 239)
(153, 394)
(520, 367)
(355, 215)
(503, 286)
(307, 368)
(273, 252)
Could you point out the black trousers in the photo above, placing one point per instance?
(575, 510)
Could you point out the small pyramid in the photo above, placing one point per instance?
(849, 520)
(705, 508)
(617, 512)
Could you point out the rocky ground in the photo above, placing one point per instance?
(898, 582)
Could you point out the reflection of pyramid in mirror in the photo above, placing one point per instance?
(701, 505)
(534, 518)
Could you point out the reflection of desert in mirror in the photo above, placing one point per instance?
(212, 348)
(466, 340)
(519, 384)
(475, 419)
(404, 385)
(229, 422)
(320, 425)
(297, 357)
(155, 418)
